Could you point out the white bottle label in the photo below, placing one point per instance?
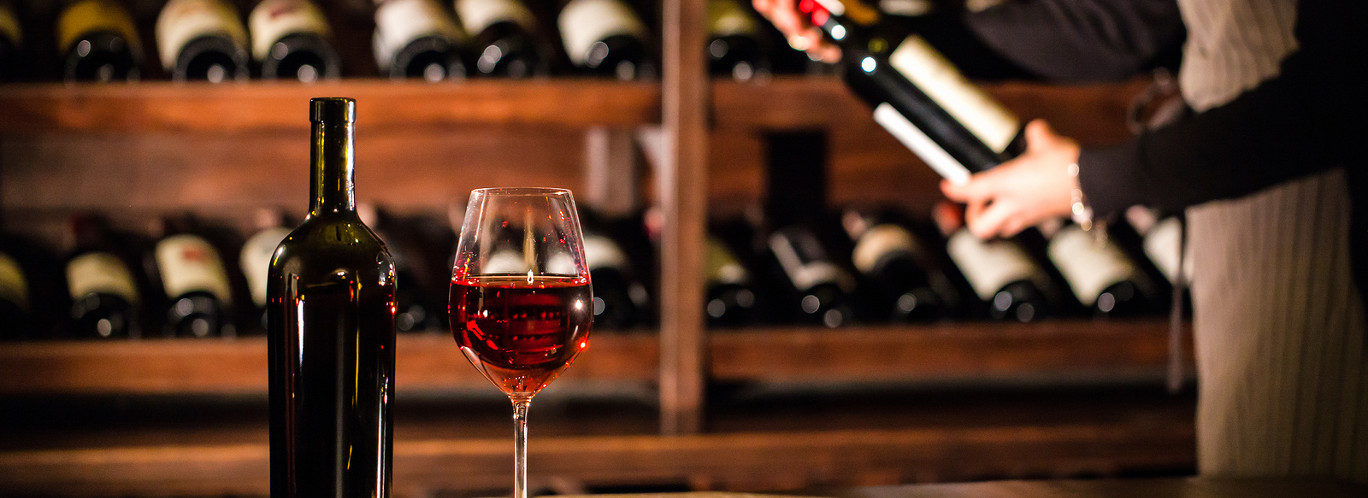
(722, 266)
(9, 26)
(189, 263)
(1088, 267)
(181, 21)
(256, 260)
(989, 265)
(476, 15)
(920, 144)
(272, 20)
(1163, 244)
(100, 272)
(583, 22)
(13, 286)
(808, 275)
(727, 17)
(944, 84)
(879, 241)
(399, 22)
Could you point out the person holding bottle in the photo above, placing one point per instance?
(1275, 193)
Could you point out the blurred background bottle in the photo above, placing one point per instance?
(606, 38)
(98, 41)
(291, 39)
(202, 40)
(504, 38)
(419, 39)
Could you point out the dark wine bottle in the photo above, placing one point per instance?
(330, 333)
(291, 40)
(1161, 241)
(821, 287)
(98, 41)
(619, 298)
(202, 40)
(419, 39)
(11, 41)
(416, 311)
(892, 265)
(15, 307)
(255, 259)
(735, 49)
(504, 38)
(917, 95)
(1000, 272)
(1100, 274)
(105, 296)
(195, 281)
(606, 38)
(729, 293)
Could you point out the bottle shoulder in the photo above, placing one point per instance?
(330, 241)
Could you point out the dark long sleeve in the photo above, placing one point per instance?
(1312, 116)
(1081, 40)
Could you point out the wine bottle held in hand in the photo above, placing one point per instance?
(521, 296)
(330, 333)
(291, 39)
(202, 40)
(918, 95)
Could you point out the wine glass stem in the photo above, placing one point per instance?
(520, 447)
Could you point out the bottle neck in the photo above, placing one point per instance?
(334, 167)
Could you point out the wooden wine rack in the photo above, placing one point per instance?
(138, 149)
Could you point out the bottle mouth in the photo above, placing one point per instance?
(332, 110)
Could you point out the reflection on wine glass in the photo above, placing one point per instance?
(520, 296)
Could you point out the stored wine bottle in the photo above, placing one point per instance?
(202, 40)
(105, 296)
(503, 37)
(891, 263)
(255, 258)
(416, 310)
(734, 46)
(330, 333)
(98, 42)
(606, 38)
(618, 296)
(918, 95)
(822, 287)
(1100, 274)
(998, 271)
(15, 307)
(11, 39)
(418, 39)
(291, 40)
(1161, 241)
(195, 281)
(729, 293)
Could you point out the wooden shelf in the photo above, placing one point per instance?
(432, 361)
(751, 445)
(259, 106)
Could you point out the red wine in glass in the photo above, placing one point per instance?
(520, 332)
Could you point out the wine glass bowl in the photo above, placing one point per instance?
(521, 304)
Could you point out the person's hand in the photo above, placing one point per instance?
(1023, 192)
(797, 29)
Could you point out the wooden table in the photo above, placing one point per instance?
(1122, 488)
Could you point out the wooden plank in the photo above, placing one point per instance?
(959, 350)
(265, 106)
(730, 461)
(683, 187)
(238, 366)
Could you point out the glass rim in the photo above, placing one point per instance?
(522, 191)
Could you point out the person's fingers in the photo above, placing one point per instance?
(990, 220)
(1039, 134)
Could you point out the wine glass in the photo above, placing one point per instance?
(521, 305)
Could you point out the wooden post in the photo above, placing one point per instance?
(683, 185)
